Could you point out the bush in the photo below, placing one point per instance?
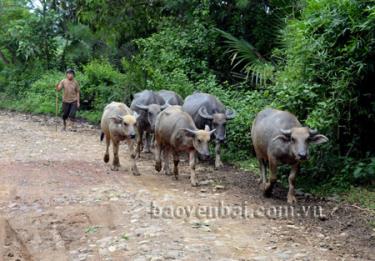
(39, 97)
(171, 61)
(100, 84)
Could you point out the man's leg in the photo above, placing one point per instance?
(72, 114)
(65, 109)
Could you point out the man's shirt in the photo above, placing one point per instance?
(71, 89)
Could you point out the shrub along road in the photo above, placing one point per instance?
(59, 201)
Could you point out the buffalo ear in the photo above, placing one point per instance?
(318, 139)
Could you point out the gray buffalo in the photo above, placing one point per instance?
(206, 109)
(117, 124)
(148, 104)
(176, 132)
(171, 97)
(278, 137)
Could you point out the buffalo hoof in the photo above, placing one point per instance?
(158, 166)
(267, 189)
(115, 168)
(175, 173)
(136, 172)
(218, 164)
(167, 173)
(106, 158)
(194, 183)
(146, 150)
(292, 199)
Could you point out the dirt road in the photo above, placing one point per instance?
(59, 201)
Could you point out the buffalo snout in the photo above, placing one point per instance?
(302, 156)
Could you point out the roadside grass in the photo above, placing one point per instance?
(43, 107)
(249, 165)
(362, 197)
(91, 229)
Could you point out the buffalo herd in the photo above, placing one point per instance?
(163, 120)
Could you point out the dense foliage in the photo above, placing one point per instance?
(314, 58)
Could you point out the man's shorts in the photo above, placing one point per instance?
(69, 110)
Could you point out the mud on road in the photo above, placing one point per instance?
(59, 201)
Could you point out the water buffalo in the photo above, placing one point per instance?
(176, 132)
(118, 123)
(206, 109)
(278, 137)
(148, 104)
(171, 97)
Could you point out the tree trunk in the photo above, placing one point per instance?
(3, 58)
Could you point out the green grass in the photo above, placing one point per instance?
(91, 116)
(125, 237)
(250, 165)
(361, 196)
(39, 106)
(91, 230)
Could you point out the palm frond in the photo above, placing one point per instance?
(255, 68)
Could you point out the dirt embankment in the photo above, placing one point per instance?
(59, 201)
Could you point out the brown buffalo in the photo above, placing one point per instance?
(278, 137)
(176, 132)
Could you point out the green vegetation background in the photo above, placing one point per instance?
(314, 58)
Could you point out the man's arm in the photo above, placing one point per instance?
(59, 86)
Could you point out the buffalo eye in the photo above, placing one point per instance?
(293, 140)
(125, 124)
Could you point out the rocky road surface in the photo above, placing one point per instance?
(60, 201)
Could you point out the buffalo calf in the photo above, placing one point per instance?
(118, 123)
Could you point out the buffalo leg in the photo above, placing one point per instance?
(193, 178)
(263, 173)
(134, 168)
(157, 157)
(218, 162)
(139, 142)
(292, 177)
(107, 143)
(148, 141)
(272, 180)
(176, 160)
(116, 160)
(166, 162)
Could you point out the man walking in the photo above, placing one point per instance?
(70, 97)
